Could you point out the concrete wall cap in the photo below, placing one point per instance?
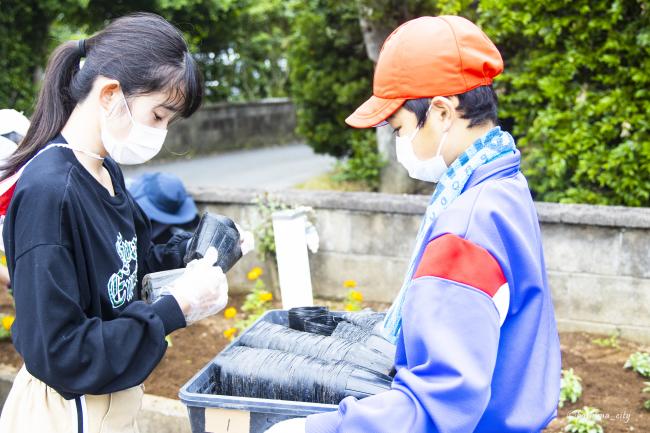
(261, 102)
(607, 216)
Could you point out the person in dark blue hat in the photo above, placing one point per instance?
(164, 199)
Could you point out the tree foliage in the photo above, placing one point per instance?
(575, 92)
(330, 73)
(577, 88)
(24, 29)
(240, 44)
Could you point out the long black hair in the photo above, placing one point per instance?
(142, 51)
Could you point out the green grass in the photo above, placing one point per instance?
(325, 182)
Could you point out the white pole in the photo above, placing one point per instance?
(293, 260)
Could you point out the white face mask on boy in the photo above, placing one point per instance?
(140, 145)
(429, 170)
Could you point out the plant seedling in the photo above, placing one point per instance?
(585, 420)
(611, 341)
(570, 387)
(639, 362)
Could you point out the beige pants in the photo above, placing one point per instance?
(32, 407)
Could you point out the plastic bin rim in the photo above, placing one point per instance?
(247, 403)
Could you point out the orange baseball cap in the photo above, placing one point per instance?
(427, 57)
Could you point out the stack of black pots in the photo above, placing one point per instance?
(322, 357)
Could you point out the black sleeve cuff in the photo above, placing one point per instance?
(177, 247)
(182, 247)
(170, 313)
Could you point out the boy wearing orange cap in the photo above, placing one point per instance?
(477, 343)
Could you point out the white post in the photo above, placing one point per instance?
(293, 260)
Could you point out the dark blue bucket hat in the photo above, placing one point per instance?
(163, 198)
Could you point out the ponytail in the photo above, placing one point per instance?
(142, 51)
(54, 106)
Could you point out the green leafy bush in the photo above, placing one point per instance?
(264, 234)
(23, 31)
(575, 92)
(570, 387)
(364, 165)
(577, 88)
(265, 238)
(240, 44)
(330, 73)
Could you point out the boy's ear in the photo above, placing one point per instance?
(444, 109)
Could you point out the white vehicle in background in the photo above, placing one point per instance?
(13, 127)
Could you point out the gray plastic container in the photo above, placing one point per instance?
(225, 413)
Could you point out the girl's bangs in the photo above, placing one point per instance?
(184, 88)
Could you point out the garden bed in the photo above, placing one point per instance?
(606, 384)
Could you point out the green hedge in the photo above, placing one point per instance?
(577, 89)
(574, 93)
(23, 30)
(330, 73)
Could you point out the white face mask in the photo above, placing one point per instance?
(140, 145)
(430, 170)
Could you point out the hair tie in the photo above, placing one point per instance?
(81, 47)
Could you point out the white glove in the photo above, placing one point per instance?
(293, 425)
(247, 240)
(202, 289)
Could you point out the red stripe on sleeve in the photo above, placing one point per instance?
(456, 259)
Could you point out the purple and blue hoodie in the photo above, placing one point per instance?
(478, 349)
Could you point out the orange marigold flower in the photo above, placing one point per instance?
(230, 313)
(230, 333)
(7, 321)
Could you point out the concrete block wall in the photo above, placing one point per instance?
(598, 257)
(216, 128)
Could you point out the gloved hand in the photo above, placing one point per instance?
(246, 240)
(202, 289)
(293, 425)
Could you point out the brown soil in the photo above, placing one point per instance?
(606, 385)
(192, 348)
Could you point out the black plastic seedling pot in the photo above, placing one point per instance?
(211, 413)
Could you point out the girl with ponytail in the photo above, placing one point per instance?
(78, 245)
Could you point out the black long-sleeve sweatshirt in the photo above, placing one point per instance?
(76, 257)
